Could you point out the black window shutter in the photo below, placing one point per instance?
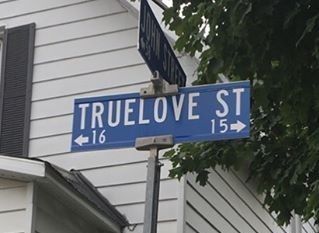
(16, 87)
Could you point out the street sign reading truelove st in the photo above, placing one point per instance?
(156, 50)
(198, 113)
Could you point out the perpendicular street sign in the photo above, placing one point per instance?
(155, 48)
(198, 113)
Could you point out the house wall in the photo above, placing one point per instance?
(306, 227)
(228, 204)
(88, 48)
(13, 206)
(54, 215)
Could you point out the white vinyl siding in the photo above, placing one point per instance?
(51, 17)
(231, 204)
(88, 48)
(309, 227)
(13, 206)
(117, 194)
(15, 9)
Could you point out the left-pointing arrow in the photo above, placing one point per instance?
(80, 140)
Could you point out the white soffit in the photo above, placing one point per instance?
(25, 169)
(21, 168)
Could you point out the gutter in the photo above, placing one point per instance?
(114, 225)
(80, 190)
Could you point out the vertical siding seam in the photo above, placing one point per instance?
(31, 207)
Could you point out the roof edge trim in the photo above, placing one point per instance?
(21, 167)
(62, 185)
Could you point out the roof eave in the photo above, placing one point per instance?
(21, 169)
(28, 170)
(63, 186)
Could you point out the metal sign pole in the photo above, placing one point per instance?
(152, 192)
(153, 144)
(158, 87)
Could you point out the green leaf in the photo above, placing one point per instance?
(275, 45)
(311, 23)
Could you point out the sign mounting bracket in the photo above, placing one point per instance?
(159, 87)
(160, 142)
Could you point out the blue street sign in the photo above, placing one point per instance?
(198, 113)
(156, 50)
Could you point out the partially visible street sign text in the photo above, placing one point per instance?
(156, 50)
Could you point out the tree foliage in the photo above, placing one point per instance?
(275, 45)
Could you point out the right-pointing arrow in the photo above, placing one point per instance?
(238, 126)
(80, 140)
